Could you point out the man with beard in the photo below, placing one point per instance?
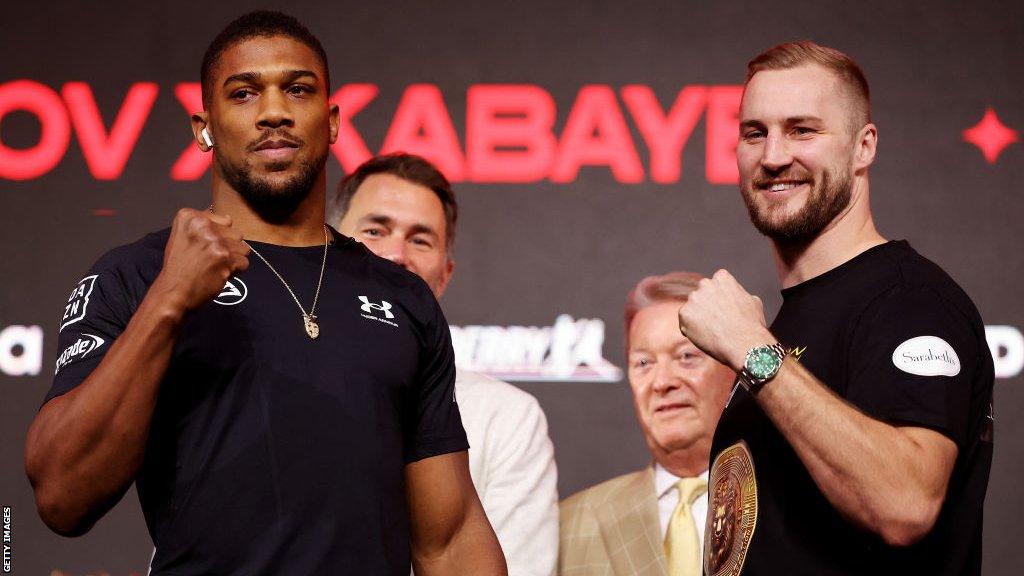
(292, 415)
(650, 522)
(861, 435)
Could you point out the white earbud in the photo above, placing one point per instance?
(205, 133)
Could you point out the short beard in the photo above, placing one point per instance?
(273, 203)
(826, 200)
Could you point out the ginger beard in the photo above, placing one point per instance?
(828, 197)
(273, 198)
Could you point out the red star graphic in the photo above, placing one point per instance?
(990, 135)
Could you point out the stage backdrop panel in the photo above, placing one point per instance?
(591, 143)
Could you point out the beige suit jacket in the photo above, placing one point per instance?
(612, 529)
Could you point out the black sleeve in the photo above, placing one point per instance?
(436, 426)
(912, 361)
(97, 311)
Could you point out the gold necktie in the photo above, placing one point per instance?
(682, 546)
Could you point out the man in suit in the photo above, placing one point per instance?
(651, 522)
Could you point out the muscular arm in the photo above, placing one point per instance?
(890, 480)
(85, 447)
(450, 532)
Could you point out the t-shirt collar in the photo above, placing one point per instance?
(840, 270)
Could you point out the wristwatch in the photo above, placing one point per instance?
(761, 365)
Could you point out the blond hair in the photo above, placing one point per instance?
(670, 287)
(803, 53)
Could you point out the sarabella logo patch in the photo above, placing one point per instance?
(926, 356)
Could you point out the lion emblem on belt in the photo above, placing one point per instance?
(732, 511)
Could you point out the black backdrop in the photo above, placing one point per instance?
(578, 218)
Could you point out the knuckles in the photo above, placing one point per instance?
(183, 215)
(196, 225)
(686, 313)
(218, 250)
(204, 251)
(207, 244)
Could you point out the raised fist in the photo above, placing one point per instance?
(724, 320)
(202, 252)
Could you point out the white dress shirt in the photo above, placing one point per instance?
(512, 463)
(668, 498)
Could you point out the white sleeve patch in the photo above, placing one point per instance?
(926, 356)
(78, 301)
(85, 344)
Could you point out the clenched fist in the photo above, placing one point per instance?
(202, 252)
(724, 320)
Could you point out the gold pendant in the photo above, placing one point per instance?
(312, 329)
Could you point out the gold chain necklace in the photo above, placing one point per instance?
(308, 318)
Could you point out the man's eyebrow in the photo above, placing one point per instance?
(645, 350)
(243, 77)
(423, 229)
(788, 121)
(289, 76)
(385, 220)
(377, 219)
(799, 119)
(685, 345)
(293, 75)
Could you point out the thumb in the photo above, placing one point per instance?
(681, 314)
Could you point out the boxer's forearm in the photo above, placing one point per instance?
(890, 480)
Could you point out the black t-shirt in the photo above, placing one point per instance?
(269, 452)
(893, 335)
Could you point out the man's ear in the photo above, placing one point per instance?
(200, 122)
(446, 276)
(335, 123)
(865, 147)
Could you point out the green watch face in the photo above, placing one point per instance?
(763, 362)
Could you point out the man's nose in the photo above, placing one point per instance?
(274, 110)
(665, 377)
(396, 251)
(776, 154)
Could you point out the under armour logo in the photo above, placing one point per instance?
(369, 307)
